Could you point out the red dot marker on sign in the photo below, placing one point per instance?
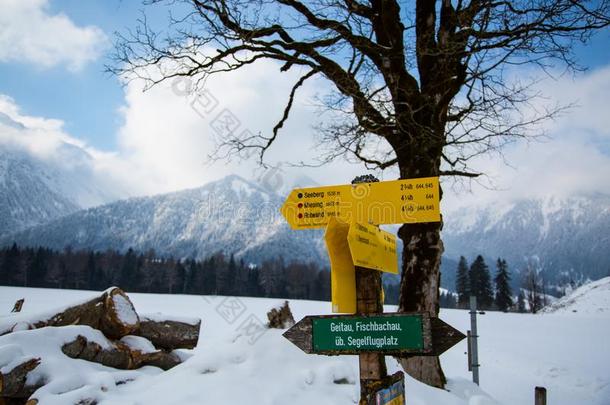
(300, 205)
(300, 215)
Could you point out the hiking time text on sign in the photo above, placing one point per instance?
(386, 202)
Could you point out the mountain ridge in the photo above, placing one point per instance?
(44, 177)
(219, 216)
(563, 239)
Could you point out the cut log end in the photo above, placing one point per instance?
(120, 317)
(112, 313)
(13, 383)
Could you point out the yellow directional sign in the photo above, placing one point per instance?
(386, 202)
(342, 270)
(351, 245)
(372, 248)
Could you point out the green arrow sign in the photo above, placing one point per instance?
(398, 332)
(392, 334)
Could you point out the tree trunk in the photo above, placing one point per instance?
(13, 383)
(422, 250)
(419, 290)
(112, 313)
(169, 334)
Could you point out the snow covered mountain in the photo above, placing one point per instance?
(230, 215)
(42, 178)
(566, 239)
(26, 197)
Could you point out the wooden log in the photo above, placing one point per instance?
(18, 305)
(144, 353)
(112, 313)
(539, 396)
(169, 334)
(280, 318)
(118, 355)
(162, 359)
(13, 383)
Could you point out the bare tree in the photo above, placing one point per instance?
(533, 285)
(419, 85)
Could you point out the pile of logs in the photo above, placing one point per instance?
(133, 340)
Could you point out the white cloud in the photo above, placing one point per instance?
(574, 160)
(28, 33)
(589, 94)
(39, 136)
(68, 164)
(171, 133)
(166, 138)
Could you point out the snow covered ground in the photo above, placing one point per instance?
(590, 299)
(566, 352)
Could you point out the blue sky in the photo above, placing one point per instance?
(86, 100)
(70, 85)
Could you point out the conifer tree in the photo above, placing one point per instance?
(128, 270)
(462, 283)
(504, 300)
(39, 268)
(480, 283)
(209, 276)
(91, 271)
(521, 302)
(231, 276)
(10, 266)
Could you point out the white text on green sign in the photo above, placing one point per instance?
(370, 333)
